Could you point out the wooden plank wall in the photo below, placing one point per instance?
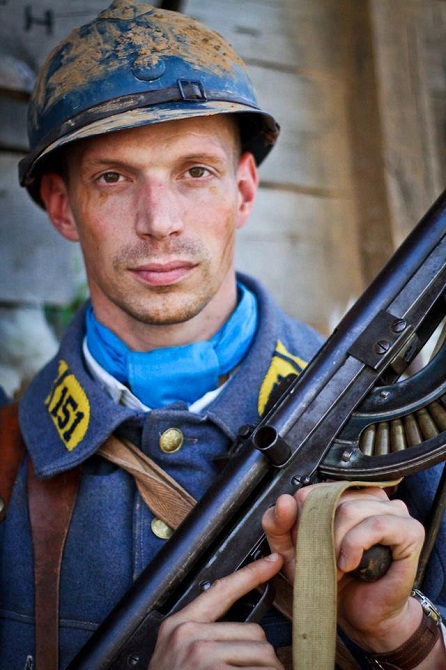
(37, 266)
(397, 108)
(302, 239)
(410, 38)
(358, 87)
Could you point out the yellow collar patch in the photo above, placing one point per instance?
(282, 364)
(68, 407)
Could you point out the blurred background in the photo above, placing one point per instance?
(359, 89)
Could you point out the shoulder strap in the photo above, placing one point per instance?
(51, 504)
(12, 450)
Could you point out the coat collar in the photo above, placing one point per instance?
(65, 415)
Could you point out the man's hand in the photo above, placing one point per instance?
(193, 639)
(378, 616)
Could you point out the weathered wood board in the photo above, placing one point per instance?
(359, 90)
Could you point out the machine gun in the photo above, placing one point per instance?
(354, 414)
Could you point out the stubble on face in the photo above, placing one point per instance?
(171, 304)
(206, 248)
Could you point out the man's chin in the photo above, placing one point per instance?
(170, 315)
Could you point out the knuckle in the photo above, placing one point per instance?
(200, 650)
(256, 632)
(399, 504)
(269, 651)
(269, 655)
(346, 511)
(187, 629)
(182, 633)
(166, 627)
(377, 524)
(300, 496)
(419, 529)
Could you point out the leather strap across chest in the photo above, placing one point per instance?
(51, 504)
(12, 451)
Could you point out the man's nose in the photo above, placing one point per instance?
(158, 212)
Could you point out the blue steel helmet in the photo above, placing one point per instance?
(136, 65)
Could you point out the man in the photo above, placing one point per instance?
(145, 138)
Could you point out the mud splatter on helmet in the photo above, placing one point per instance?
(137, 65)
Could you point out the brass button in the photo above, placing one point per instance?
(171, 440)
(161, 529)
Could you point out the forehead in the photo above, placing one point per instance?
(219, 131)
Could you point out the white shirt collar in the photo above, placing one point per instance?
(122, 395)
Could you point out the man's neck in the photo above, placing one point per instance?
(139, 335)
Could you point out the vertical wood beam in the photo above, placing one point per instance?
(366, 140)
(402, 31)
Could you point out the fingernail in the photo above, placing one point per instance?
(272, 557)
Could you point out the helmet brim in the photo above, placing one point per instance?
(257, 137)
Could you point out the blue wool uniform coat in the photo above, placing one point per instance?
(65, 416)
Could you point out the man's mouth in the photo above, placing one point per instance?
(163, 274)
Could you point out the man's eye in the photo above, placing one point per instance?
(198, 171)
(110, 177)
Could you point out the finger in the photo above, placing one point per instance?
(279, 524)
(210, 653)
(205, 646)
(403, 534)
(351, 512)
(279, 521)
(249, 655)
(214, 602)
(367, 493)
(220, 631)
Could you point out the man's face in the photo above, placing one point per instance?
(156, 210)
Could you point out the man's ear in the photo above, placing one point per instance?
(53, 191)
(248, 181)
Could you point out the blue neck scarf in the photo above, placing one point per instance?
(186, 373)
